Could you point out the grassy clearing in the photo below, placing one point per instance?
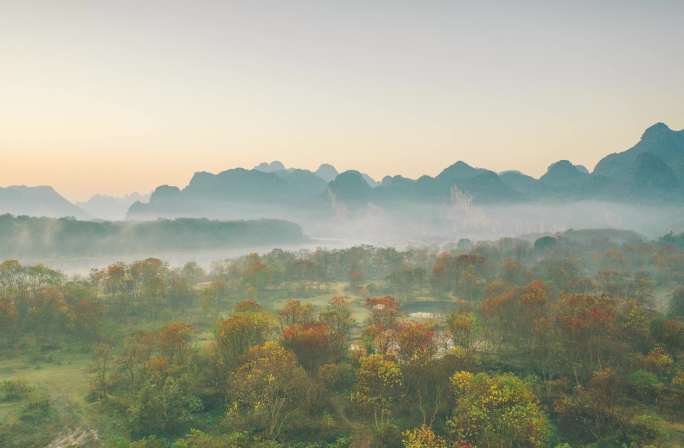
(359, 312)
(675, 432)
(66, 379)
(62, 379)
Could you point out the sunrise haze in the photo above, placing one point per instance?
(114, 97)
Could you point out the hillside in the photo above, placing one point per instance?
(27, 236)
(36, 201)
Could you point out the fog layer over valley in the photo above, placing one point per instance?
(72, 243)
(639, 189)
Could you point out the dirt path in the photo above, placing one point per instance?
(77, 438)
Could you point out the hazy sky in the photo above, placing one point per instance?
(118, 96)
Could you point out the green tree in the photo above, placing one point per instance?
(423, 437)
(378, 387)
(677, 303)
(496, 411)
(268, 388)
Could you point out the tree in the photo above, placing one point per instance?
(384, 310)
(163, 405)
(461, 328)
(268, 388)
(148, 277)
(517, 316)
(563, 273)
(234, 337)
(155, 379)
(8, 321)
(415, 340)
(669, 332)
(338, 317)
(423, 437)
(174, 340)
(192, 272)
(642, 287)
(496, 411)
(514, 272)
(102, 369)
(588, 332)
(406, 280)
(461, 274)
(116, 282)
(313, 343)
(613, 283)
(137, 348)
(378, 387)
(199, 439)
(425, 381)
(590, 413)
(545, 243)
(294, 312)
(677, 303)
(247, 306)
(256, 274)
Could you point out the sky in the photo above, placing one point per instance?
(120, 96)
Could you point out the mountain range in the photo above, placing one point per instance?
(652, 171)
(36, 201)
(110, 208)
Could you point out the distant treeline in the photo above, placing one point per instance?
(27, 236)
(674, 239)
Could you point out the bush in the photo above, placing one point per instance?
(200, 439)
(337, 377)
(645, 384)
(14, 390)
(645, 429)
(389, 436)
(677, 303)
(162, 408)
(36, 410)
(147, 442)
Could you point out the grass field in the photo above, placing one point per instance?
(67, 378)
(63, 382)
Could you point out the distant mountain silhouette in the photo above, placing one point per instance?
(110, 208)
(652, 170)
(350, 187)
(563, 175)
(235, 193)
(327, 172)
(659, 141)
(458, 171)
(272, 167)
(522, 183)
(36, 201)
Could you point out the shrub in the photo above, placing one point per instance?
(14, 390)
(645, 384)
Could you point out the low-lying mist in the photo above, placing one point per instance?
(75, 246)
(441, 223)
(413, 222)
(47, 239)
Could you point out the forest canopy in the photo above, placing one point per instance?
(572, 340)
